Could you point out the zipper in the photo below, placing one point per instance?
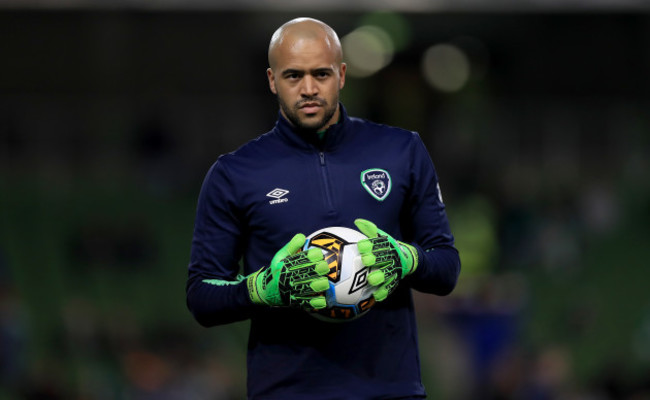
(325, 178)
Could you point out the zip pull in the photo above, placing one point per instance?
(322, 158)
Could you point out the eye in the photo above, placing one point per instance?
(292, 75)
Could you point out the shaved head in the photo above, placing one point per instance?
(301, 29)
(306, 73)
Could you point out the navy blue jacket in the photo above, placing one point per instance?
(255, 199)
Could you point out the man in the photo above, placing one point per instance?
(314, 169)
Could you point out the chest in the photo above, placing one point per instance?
(311, 190)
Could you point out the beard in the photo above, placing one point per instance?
(309, 124)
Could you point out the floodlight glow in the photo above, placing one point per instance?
(367, 50)
(446, 67)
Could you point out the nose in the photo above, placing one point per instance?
(309, 86)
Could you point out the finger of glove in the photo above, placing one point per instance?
(376, 277)
(322, 268)
(366, 227)
(380, 294)
(309, 302)
(380, 255)
(387, 250)
(318, 303)
(383, 247)
(379, 260)
(320, 284)
(295, 243)
(315, 254)
(375, 244)
(379, 247)
(369, 260)
(309, 286)
(386, 289)
(288, 249)
(370, 229)
(364, 246)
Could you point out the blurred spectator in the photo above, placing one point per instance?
(13, 331)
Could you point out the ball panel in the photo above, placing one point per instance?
(349, 295)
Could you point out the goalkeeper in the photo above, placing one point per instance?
(319, 167)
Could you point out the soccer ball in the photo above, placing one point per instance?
(349, 295)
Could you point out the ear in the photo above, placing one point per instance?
(271, 77)
(342, 70)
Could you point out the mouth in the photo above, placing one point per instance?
(310, 107)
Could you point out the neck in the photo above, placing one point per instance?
(334, 120)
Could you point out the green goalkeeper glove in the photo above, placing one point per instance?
(389, 260)
(294, 279)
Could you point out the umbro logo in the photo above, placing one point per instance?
(360, 280)
(278, 194)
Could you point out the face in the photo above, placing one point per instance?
(307, 79)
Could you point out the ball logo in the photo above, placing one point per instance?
(332, 246)
(360, 280)
(377, 182)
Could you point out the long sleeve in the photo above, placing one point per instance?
(215, 294)
(438, 270)
(427, 227)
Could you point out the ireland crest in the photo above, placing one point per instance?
(377, 182)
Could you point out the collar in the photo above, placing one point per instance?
(333, 136)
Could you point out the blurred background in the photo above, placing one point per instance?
(535, 113)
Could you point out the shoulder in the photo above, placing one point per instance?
(382, 132)
(253, 147)
(253, 151)
(232, 166)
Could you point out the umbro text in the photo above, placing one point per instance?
(278, 201)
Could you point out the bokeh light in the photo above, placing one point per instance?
(367, 49)
(446, 67)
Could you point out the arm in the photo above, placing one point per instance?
(215, 294)
(426, 227)
(437, 272)
(217, 304)
(426, 258)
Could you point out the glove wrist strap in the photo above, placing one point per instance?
(413, 256)
(251, 284)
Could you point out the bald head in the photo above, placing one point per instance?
(300, 29)
(306, 73)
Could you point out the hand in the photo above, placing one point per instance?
(295, 279)
(389, 260)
